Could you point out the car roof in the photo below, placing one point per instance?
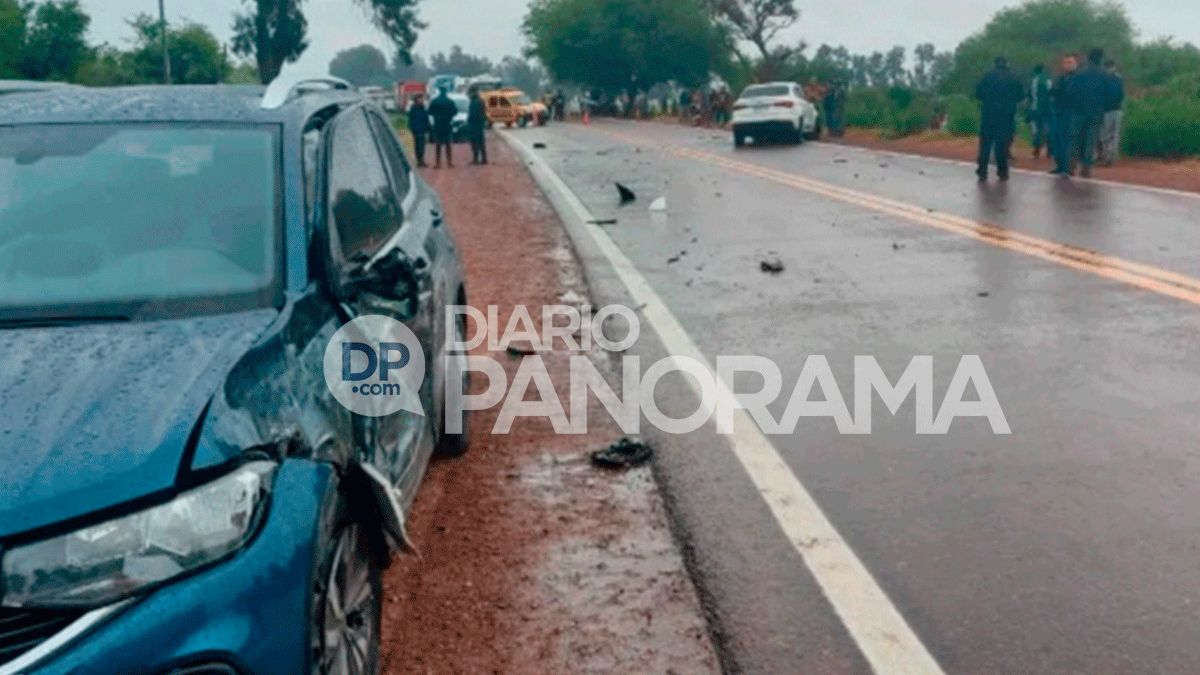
(159, 103)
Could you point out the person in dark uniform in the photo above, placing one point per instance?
(477, 128)
(999, 93)
(442, 110)
(418, 125)
(1062, 98)
(1094, 92)
(835, 108)
(560, 106)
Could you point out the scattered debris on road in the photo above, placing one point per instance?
(983, 294)
(675, 258)
(626, 194)
(574, 566)
(659, 205)
(840, 160)
(771, 265)
(520, 349)
(539, 146)
(897, 247)
(603, 221)
(623, 454)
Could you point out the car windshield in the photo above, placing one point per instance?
(137, 219)
(762, 91)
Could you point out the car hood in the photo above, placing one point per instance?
(95, 415)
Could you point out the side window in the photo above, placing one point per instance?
(392, 155)
(362, 205)
(312, 142)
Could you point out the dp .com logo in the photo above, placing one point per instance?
(374, 366)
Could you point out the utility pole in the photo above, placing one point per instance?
(162, 27)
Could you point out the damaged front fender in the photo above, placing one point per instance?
(274, 402)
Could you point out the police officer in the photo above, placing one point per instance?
(418, 125)
(442, 110)
(999, 93)
(477, 127)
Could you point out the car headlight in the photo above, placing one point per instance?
(102, 563)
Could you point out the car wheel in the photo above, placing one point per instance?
(798, 134)
(523, 122)
(815, 134)
(739, 139)
(456, 445)
(348, 605)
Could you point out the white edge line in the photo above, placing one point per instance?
(882, 635)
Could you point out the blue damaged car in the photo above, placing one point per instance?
(179, 489)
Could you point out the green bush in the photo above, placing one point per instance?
(1162, 126)
(962, 115)
(866, 108)
(909, 112)
(913, 119)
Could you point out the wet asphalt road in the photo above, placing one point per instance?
(1070, 545)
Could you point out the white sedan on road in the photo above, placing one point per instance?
(776, 109)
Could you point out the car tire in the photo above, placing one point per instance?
(456, 445)
(739, 139)
(523, 122)
(815, 134)
(347, 605)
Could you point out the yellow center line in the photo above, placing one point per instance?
(1146, 277)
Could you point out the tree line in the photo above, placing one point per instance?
(47, 40)
(618, 45)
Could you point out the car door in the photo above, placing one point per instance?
(418, 239)
(366, 218)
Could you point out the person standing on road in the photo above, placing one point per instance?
(1110, 135)
(1040, 114)
(560, 106)
(1093, 92)
(835, 106)
(418, 126)
(999, 93)
(443, 110)
(477, 128)
(1062, 98)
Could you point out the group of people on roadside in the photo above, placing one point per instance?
(437, 121)
(706, 107)
(1076, 117)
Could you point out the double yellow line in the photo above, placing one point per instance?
(1146, 277)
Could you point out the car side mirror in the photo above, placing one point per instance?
(392, 277)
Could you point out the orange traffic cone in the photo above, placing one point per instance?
(587, 118)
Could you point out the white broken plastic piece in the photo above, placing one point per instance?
(659, 205)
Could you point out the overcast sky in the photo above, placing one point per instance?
(492, 27)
